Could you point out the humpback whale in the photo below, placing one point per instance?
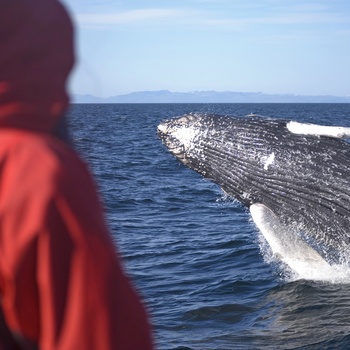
(294, 178)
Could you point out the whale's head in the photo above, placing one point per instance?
(221, 148)
(185, 138)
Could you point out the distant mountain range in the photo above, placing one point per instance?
(166, 96)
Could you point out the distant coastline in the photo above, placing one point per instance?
(166, 96)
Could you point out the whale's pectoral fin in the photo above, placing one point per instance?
(318, 130)
(286, 244)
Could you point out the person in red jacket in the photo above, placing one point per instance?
(62, 286)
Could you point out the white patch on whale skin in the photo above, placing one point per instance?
(185, 135)
(268, 160)
(292, 250)
(163, 128)
(318, 130)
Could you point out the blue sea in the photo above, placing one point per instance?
(194, 254)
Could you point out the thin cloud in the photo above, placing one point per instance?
(129, 17)
(278, 19)
(192, 17)
(301, 18)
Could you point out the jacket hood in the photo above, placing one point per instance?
(36, 46)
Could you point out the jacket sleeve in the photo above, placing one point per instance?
(61, 280)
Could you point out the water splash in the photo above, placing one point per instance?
(335, 274)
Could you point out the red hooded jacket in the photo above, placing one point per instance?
(61, 283)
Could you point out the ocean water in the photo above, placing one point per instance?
(206, 276)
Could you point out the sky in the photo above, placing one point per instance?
(297, 47)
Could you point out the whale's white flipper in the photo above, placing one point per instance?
(288, 247)
(318, 130)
